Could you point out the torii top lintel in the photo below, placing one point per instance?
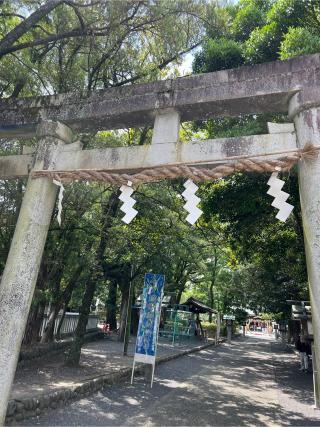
(263, 88)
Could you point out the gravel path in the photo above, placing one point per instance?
(49, 374)
(252, 382)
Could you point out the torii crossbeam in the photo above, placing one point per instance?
(287, 87)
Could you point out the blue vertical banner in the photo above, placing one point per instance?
(150, 312)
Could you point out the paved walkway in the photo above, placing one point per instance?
(251, 382)
(49, 374)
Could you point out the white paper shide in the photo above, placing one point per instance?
(191, 201)
(128, 203)
(280, 196)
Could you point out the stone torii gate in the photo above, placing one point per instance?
(279, 87)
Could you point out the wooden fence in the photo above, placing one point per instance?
(69, 323)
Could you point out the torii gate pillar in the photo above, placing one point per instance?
(304, 109)
(22, 267)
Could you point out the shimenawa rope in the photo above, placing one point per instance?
(196, 172)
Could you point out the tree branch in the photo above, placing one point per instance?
(159, 66)
(7, 43)
(24, 26)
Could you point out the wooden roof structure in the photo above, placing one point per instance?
(196, 306)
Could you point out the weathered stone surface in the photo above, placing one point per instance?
(42, 403)
(9, 421)
(306, 99)
(280, 127)
(166, 127)
(19, 416)
(12, 406)
(16, 166)
(19, 406)
(28, 404)
(135, 158)
(78, 390)
(67, 394)
(21, 270)
(305, 109)
(31, 413)
(257, 89)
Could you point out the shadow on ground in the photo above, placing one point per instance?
(241, 384)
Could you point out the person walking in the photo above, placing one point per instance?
(302, 348)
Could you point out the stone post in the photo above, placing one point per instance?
(229, 331)
(166, 126)
(218, 321)
(22, 267)
(304, 109)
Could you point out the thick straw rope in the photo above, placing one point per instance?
(196, 173)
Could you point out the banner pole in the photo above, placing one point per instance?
(153, 366)
(157, 338)
(132, 373)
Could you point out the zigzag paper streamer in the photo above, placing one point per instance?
(279, 202)
(60, 198)
(128, 203)
(192, 201)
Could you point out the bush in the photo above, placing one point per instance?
(223, 329)
(299, 41)
(263, 44)
(217, 55)
(211, 328)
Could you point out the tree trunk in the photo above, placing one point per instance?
(181, 288)
(27, 339)
(109, 210)
(63, 315)
(111, 305)
(211, 299)
(73, 356)
(36, 329)
(128, 317)
(123, 312)
(36, 325)
(212, 284)
(48, 334)
(66, 296)
(134, 318)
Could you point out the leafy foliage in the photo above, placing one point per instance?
(238, 256)
(292, 43)
(218, 54)
(267, 258)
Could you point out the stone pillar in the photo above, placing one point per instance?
(304, 109)
(166, 126)
(22, 267)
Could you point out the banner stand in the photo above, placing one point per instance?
(149, 323)
(138, 359)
